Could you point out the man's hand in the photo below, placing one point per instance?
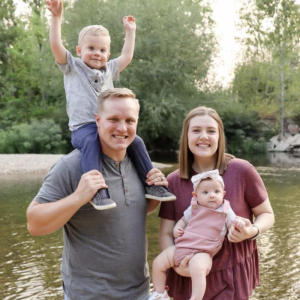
(88, 185)
(55, 7)
(129, 23)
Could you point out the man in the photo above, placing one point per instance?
(105, 252)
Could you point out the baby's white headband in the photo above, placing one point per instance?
(214, 174)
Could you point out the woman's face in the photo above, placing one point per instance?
(203, 136)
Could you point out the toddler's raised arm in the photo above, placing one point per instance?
(58, 49)
(127, 52)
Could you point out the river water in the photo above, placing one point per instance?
(30, 266)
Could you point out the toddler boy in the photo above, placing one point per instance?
(84, 79)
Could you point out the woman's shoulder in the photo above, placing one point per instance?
(238, 163)
(241, 168)
(175, 175)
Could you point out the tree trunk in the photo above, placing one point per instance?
(282, 96)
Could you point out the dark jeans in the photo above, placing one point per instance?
(86, 139)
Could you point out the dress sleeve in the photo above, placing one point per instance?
(255, 191)
(167, 209)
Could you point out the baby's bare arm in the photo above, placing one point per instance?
(179, 227)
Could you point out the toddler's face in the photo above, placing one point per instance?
(210, 193)
(94, 50)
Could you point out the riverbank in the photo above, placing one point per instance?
(11, 164)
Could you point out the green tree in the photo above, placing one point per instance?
(174, 47)
(273, 29)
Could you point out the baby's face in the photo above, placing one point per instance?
(210, 193)
(94, 50)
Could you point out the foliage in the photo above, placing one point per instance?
(173, 52)
(268, 79)
(174, 49)
(243, 129)
(38, 137)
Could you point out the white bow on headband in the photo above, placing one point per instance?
(214, 174)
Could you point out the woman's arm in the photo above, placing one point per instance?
(264, 220)
(166, 233)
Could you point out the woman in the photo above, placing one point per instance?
(234, 273)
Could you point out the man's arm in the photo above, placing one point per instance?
(58, 49)
(127, 52)
(45, 218)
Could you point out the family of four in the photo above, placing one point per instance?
(101, 193)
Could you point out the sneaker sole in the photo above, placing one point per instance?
(161, 199)
(103, 207)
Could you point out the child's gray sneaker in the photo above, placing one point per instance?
(159, 193)
(102, 203)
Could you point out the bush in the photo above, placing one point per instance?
(243, 129)
(42, 136)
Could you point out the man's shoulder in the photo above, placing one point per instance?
(68, 162)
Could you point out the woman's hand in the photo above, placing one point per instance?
(238, 233)
(156, 177)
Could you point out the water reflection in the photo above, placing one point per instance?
(30, 266)
(280, 248)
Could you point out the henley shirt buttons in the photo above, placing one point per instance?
(96, 81)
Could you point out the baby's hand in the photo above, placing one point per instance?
(177, 232)
(238, 223)
(129, 23)
(55, 6)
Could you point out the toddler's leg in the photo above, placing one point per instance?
(199, 267)
(141, 160)
(86, 139)
(163, 262)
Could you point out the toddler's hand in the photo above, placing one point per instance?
(178, 232)
(55, 7)
(129, 23)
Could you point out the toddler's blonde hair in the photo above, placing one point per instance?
(92, 30)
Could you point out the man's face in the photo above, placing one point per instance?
(117, 124)
(94, 50)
